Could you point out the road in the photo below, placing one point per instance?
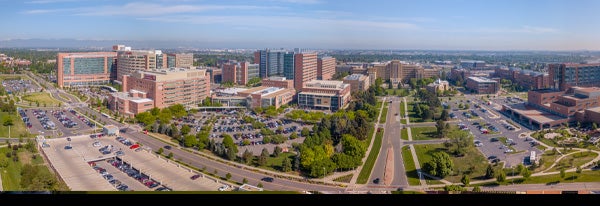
(391, 143)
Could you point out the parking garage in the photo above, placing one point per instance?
(531, 117)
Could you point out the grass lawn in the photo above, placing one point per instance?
(585, 176)
(423, 133)
(274, 163)
(345, 178)
(384, 113)
(17, 129)
(431, 181)
(42, 98)
(411, 114)
(403, 121)
(404, 134)
(370, 162)
(547, 158)
(574, 160)
(473, 163)
(11, 175)
(409, 166)
(402, 112)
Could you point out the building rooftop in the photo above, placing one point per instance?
(586, 89)
(125, 96)
(471, 61)
(482, 80)
(319, 94)
(354, 77)
(325, 84)
(546, 90)
(232, 91)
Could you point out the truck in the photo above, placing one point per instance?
(532, 157)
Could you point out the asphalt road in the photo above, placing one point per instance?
(391, 142)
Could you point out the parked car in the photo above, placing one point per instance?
(195, 177)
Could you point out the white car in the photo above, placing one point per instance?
(97, 144)
(224, 187)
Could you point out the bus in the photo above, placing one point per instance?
(106, 115)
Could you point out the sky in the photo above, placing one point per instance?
(323, 24)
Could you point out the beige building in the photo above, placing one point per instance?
(438, 86)
(358, 82)
(267, 96)
(325, 95)
(397, 71)
(188, 87)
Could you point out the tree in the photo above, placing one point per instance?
(286, 165)
(160, 150)
(245, 181)
(444, 115)
(262, 159)
(247, 156)
(185, 129)
(189, 141)
(170, 156)
(476, 188)
(305, 132)
(578, 170)
(465, 180)
(562, 173)
(294, 135)
(526, 172)
(7, 121)
(501, 176)
(594, 125)
(228, 176)
(490, 172)
(440, 165)
(260, 185)
(518, 169)
(277, 151)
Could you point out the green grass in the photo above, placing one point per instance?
(42, 98)
(431, 181)
(11, 175)
(345, 178)
(404, 134)
(576, 159)
(423, 133)
(17, 129)
(548, 158)
(409, 166)
(402, 109)
(473, 163)
(384, 113)
(585, 176)
(403, 121)
(411, 115)
(370, 162)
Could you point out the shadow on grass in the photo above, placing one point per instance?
(571, 178)
(553, 182)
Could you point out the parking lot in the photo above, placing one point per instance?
(487, 128)
(84, 167)
(20, 86)
(53, 122)
(243, 133)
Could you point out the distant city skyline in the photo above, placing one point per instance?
(322, 24)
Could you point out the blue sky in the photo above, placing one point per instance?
(373, 24)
